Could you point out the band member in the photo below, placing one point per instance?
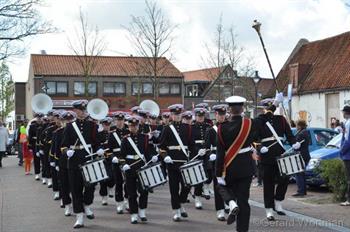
(165, 118)
(144, 126)
(79, 137)
(102, 140)
(134, 110)
(199, 129)
(234, 163)
(62, 165)
(50, 141)
(44, 148)
(32, 139)
(187, 117)
(205, 106)
(275, 129)
(118, 132)
(210, 144)
(174, 145)
(135, 151)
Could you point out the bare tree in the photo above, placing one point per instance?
(152, 37)
(226, 51)
(6, 91)
(20, 19)
(87, 46)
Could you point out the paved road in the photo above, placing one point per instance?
(27, 206)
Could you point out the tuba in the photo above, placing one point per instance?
(150, 106)
(41, 103)
(97, 109)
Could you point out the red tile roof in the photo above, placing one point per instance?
(69, 65)
(208, 74)
(325, 65)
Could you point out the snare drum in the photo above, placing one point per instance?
(151, 176)
(193, 173)
(291, 164)
(94, 171)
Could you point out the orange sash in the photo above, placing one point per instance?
(233, 150)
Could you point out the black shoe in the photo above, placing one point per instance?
(134, 222)
(49, 186)
(282, 213)
(77, 226)
(184, 215)
(221, 219)
(92, 216)
(232, 216)
(110, 196)
(298, 195)
(271, 218)
(143, 219)
(227, 211)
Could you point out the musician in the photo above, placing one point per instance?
(187, 117)
(102, 140)
(234, 163)
(135, 151)
(52, 159)
(144, 126)
(117, 133)
(211, 146)
(66, 117)
(206, 107)
(76, 148)
(32, 141)
(175, 156)
(275, 129)
(134, 110)
(199, 129)
(39, 148)
(165, 118)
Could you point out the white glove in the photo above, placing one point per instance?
(221, 181)
(296, 146)
(278, 99)
(201, 152)
(41, 152)
(37, 154)
(142, 156)
(212, 157)
(52, 164)
(100, 152)
(125, 167)
(100, 128)
(264, 150)
(115, 160)
(168, 160)
(154, 159)
(57, 168)
(70, 153)
(156, 133)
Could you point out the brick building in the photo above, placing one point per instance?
(121, 81)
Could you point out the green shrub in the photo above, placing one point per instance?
(333, 172)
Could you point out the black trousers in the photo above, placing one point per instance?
(347, 169)
(81, 193)
(36, 163)
(219, 202)
(45, 166)
(2, 154)
(64, 186)
(275, 185)
(238, 190)
(109, 183)
(178, 196)
(120, 186)
(135, 191)
(55, 179)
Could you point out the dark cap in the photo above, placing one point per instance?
(38, 115)
(153, 116)
(50, 113)
(106, 120)
(57, 113)
(166, 114)
(346, 109)
(200, 111)
(202, 105)
(176, 108)
(135, 109)
(221, 109)
(187, 115)
(80, 104)
(68, 115)
(142, 113)
(267, 104)
(134, 120)
(119, 115)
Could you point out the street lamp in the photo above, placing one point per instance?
(256, 80)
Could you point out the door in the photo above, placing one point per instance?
(332, 108)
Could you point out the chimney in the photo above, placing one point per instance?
(43, 52)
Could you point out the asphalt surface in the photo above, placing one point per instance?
(27, 206)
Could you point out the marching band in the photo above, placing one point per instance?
(135, 153)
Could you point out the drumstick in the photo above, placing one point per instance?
(291, 148)
(180, 161)
(96, 153)
(149, 161)
(198, 155)
(272, 144)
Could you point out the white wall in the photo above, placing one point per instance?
(344, 99)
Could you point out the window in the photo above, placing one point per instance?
(163, 88)
(79, 88)
(144, 88)
(192, 90)
(175, 89)
(323, 136)
(113, 88)
(57, 88)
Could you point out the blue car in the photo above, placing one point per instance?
(330, 151)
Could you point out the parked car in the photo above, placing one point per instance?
(330, 151)
(10, 148)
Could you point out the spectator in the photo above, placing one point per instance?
(338, 127)
(301, 135)
(345, 151)
(4, 136)
(27, 154)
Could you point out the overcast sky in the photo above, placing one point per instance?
(284, 23)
